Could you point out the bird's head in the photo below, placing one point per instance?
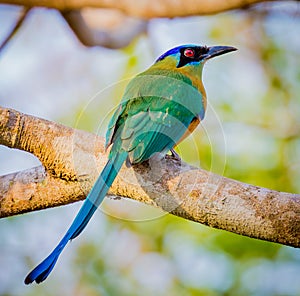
(192, 55)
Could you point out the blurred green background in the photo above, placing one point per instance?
(251, 133)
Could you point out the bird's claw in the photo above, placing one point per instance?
(175, 155)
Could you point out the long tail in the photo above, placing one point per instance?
(92, 202)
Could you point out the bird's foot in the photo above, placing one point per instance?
(175, 155)
(128, 163)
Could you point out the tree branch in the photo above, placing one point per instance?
(145, 9)
(117, 37)
(23, 15)
(72, 160)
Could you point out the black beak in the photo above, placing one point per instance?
(217, 50)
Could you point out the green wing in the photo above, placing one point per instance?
(153, 115)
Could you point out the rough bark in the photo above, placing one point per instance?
(145, 9)
(72, 160)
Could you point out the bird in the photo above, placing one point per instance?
(160, 108)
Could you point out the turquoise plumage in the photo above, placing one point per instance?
(160, 107)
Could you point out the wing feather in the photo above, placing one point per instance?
(151, 131)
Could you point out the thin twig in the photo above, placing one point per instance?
(17, 26)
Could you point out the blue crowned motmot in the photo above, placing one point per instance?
(160, 107)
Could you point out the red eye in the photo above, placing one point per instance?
(189, 53)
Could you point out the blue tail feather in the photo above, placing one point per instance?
(92, 202)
